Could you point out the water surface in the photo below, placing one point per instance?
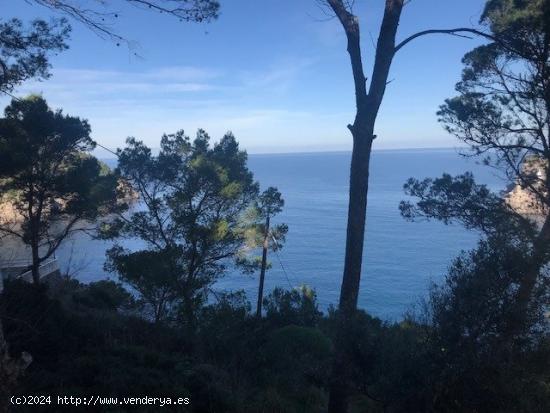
(400, 257)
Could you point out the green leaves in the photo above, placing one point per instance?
(45, 166)
(153, 274)
(501, 111)
(24, 50)
(254, 231)
(270, 202)
(504, 16)
(460, 199)
(193, 196)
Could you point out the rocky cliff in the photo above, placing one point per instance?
(522, 196)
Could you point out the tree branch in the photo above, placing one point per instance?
(453, 32)
(99, 19)
(385, 50)
(351, 27)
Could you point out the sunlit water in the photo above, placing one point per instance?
(401, 258)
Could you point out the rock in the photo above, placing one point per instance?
(522, 197)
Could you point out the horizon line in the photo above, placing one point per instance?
(306, 152)
(430, 148)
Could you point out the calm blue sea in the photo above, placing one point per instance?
(401, 258)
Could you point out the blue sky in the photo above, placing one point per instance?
(275, 72)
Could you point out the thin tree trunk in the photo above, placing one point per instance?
(35, 268)
(362, 131)
(190, 316)
(34, 224)
(263, 268)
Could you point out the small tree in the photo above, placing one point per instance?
(193, 197)
(152, 274)
(24, 55)
(260, 232)
(46, 174)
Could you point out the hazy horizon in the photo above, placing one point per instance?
(104, 154)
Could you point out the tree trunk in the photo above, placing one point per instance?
(263, 268)
(540, 256)
(34, 225)
(362, 130)
(35, 268)
(519, 319)
(359, 182)
(357, 208)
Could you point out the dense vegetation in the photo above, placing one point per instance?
(93, 339)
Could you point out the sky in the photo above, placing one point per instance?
(274, 72)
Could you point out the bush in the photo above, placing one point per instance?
(297, 306)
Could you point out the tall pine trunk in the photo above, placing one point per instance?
(362, 130)
(359, 183)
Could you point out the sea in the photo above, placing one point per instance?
(401, 259)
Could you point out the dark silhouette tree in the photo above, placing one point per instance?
(153, 274)
(193, 197)
(503, 107)
(502, 114)
(367, 101)
(56, 188)
(460, 199)
(475, 364)
(24, 51)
